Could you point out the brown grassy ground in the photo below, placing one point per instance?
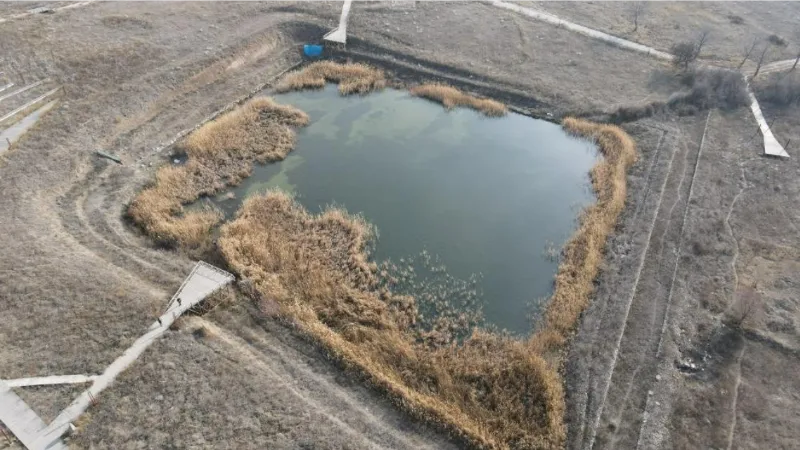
(731, 25)
(220, 154)
(352, 78)
(133, 87)
(451, 97)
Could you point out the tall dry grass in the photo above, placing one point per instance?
(352, 78)
(451, 97)
(583, 253)
(220, 154)
(492, 390)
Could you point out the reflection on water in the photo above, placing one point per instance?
(486, 196)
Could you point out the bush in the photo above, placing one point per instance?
(784, 92)
(685, 53)
(736, 20)
(776, 40)
(712, 88)
(706, 88)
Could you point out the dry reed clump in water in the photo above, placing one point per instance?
(220, 154)
(583, 253)
(352, 78)
(451, 97)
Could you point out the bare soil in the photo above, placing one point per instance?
(657, 361)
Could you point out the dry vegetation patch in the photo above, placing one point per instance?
(489, 389)
(352, 78)
(220, 153)
(494, 390)
(451, 97)
(583, 253)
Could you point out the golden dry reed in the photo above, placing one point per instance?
(220, 154)
(492, 390)
(352, 78)
(489, 390)
(451, 97)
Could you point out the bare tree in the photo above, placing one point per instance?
(797, 59)
(746, 306)
(637, 9)
(701, 41)
(748, 51)
(761, 59)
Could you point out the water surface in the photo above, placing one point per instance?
(486, 195)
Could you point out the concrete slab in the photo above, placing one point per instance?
(339, 34)
(14, 132)
(22, 89)
(771, 145)
(21, 420)
(53, 380)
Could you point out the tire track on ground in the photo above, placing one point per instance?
(668, 309)
(634, 361)
(301, 374)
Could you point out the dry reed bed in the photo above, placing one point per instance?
(220, 153)
(492, 390)
(352, 78)
(451, 97)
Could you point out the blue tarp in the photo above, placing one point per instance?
(311, 50)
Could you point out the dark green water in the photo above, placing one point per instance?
(486, 195)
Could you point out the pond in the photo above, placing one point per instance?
(487, 196)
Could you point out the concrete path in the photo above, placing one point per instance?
(39, 10)
(201, 282)
(29, 104)
(3, 88)
(204, 280)
(14, 132)
(555, 20)
(21, 420)
(49, 381)
(771, 145)
(339, 34)
(22, 89)
(777, 66)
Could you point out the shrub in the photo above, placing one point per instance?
(776, 40)
(713, 88)
(451, 97)
(736, 20)
(706, 88)
(782, 91)
(352, 78)
(685, 54)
